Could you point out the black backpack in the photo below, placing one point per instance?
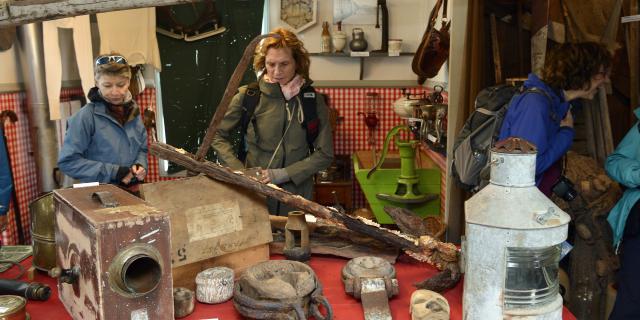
(471, 147)
(251, 99)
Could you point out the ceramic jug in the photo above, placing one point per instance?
(358, 43)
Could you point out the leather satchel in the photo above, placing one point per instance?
(434, 48)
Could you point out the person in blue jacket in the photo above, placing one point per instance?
(543, 117)
(6, 182)
(106, 140)
(623, 166)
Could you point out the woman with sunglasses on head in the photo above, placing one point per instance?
(106, 140)
(288, 136)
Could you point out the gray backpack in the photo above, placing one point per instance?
(480, 132)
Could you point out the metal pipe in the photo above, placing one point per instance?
(43, 130)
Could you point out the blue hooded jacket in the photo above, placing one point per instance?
(6, 182)
(530, 117)
(623, 166)
(96, 145)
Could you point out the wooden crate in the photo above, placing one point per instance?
(212, 224)
(131, 240)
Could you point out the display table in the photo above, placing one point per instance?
(328, 271)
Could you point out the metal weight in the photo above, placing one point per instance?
(373, 281)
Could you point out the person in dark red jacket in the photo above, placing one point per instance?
(571, 71)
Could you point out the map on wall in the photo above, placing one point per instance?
(354, 11)
(298, 14)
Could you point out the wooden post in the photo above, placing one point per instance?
(631, 38)
(424, 248)
(15, 12)
(229, 92)
(495, 46)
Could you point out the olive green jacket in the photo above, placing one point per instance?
(264, 132)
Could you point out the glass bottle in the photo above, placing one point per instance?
(326, 38)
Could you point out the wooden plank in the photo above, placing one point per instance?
(597, 129)
(209, 218)
(495, 48)
(589, 128)
(606, 121)
(539, 34)
(340, 249)
(15, 12)
(426, 249)
(631, 38)
(185, 275)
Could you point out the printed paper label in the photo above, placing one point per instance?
(213, 220)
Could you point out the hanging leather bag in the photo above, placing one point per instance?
(434, 48)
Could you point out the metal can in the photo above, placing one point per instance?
(13, 308)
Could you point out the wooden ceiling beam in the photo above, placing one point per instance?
(16, 12)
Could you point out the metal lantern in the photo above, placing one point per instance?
(513, 237)
(296, 237)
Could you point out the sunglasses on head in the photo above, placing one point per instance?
(110, 59)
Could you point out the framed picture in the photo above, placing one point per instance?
(355, 11)
(299, 14)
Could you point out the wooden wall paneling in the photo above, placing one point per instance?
(539, 33)
(631, 38)
(464, 62)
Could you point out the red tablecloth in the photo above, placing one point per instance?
(327, 269)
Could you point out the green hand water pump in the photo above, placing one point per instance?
(407, 190)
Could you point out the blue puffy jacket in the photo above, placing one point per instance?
(96, 145)
(531, 117)
(6, 182)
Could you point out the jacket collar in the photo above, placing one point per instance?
(559, 105)
(273, 89)
(637, 112)
(101, 105)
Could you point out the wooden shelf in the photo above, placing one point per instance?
(347, 54)
(372, 54)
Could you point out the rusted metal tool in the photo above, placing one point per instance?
(373, 281)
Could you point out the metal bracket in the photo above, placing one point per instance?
(372, 280)
(373, 294)
(543, 217)
(105, 198)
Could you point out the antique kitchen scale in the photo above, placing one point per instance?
(426, 114)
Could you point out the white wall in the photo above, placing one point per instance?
(407, 21)
(9, 68)
(11, 71)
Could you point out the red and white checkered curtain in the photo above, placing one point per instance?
(147, 100)
(23, 166)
